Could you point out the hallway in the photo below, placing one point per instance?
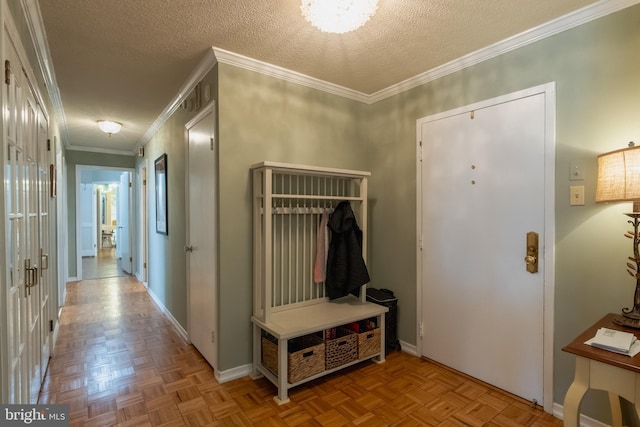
(118, 361)
(103, 266)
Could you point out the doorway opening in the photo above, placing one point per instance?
(103, 226)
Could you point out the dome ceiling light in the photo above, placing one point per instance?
(338, 16)
(109, 127)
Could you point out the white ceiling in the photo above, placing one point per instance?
(126, 60)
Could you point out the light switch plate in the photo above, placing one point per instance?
(576, 171)
(576, 195)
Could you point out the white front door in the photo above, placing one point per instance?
(482, 191)
(123, 234)
(202, 235)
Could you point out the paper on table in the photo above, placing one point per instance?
(615, 341)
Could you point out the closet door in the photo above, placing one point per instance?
(17, 191)
(202, 233)
(24, 318)
(45, 279)
(27, 133)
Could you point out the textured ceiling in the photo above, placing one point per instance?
(125, 60)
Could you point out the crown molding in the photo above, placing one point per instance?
(39, 36)
(556, 26)
(101, 150)
(214, 55)
(231, 58)
(194, 78)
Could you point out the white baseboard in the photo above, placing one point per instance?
(170, 317)
(409, 348)
(72, 279)
(54, 336)
(585, 421)
(233, 373)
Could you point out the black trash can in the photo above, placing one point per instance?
(385, 297)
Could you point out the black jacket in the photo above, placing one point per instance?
(346, 270)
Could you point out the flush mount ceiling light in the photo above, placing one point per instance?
(109, 127)
(338, 16)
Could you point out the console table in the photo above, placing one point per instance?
(603, 370)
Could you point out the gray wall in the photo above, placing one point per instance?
(595, 68)
(262, 118)
(166, 257)
(73, 159)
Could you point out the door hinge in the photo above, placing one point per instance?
(130, 185)
(50, 325)
(213, 337)
(7, 72)
(130, 259)
(48, 145)
(144, 182)
(144, 265)
(420, 151)
(211, 143)
(421, 329)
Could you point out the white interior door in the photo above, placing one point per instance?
(202, 232)
(483, 189)
(45, 279)
(14, 187)
(143, 222)
(32, 245)
(23, 125)
(88, 220)
(123, 234)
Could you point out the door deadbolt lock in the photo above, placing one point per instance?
(531, 259)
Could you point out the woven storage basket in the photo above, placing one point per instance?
(343, 349)
(368, 343)
(305, 357)
(270, 353)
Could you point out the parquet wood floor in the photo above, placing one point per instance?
(119, 362)
(106, 264)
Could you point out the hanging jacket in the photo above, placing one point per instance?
(346, 270)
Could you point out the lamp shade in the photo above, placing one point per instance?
(619, 176)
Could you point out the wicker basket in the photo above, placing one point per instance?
(270, 353)
(368, 343)
(343, 349)
(305, 357)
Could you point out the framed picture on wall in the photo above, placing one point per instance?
(162, 223)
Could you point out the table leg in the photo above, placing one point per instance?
(616, 412)
(575, 393)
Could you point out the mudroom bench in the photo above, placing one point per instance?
(313, 321)
(298, 333)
